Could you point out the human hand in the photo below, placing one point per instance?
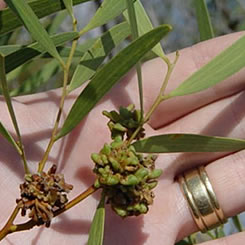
(216, 111)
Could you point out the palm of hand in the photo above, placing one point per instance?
(168, 218)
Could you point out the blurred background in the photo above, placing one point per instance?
(226, 16)
(44, 74)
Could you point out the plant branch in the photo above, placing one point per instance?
(161, 97)
(62, 101)
(9, 223)
(10, 228)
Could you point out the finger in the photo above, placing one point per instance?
(190, 60)
(236, 239)
(227, 177)
(2, 4)
(221, 118)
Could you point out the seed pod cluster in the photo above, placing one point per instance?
(126, 177)
(125, 122)
(43, 194)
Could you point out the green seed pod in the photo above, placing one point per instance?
(102, 171)
(125, 113)
(143, 208)
(115, 116)
(156, 173)
(130, 208)
(107, 114)
(152, 185)
(96, 158)
(137, 207)
(134, 161)
(28, 177)
(130, 107)
(137, 115)
(110, 124)
(116, 145)
(97, 183)
(106, 149)
(141, 173)
(131, 148)
(104, 159)
(114, 163)
(130, 180)
(119, 127)
(121, 212)
(112, 180)
(107, 169)
(118, 138)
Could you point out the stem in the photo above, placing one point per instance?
(62, 101)
(135, 35)
(30, 224)
(9, 223)
(161, 97)
(77, 200)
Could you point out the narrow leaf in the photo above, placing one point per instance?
(106, 77)
(203, 19)
(95, 56)
(144, 25)
(108, 10)
(38, 79)
(33, 25)
(9, 21)
(222, 66)
(8, 49)
(135, 34)
(188, 143)
(4, 132)
(24, 54)
(96, 233)
(5, 91)
(68, 4)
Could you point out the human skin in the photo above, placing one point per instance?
(215, 111)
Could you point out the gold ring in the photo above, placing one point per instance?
(201, 198)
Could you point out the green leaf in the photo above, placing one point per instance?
(108, 10)
(222, 66)
(9, 21)
(94, 57)
(5, 91)
(144, 25)
(33, 83)
(24, 54)
(96, 233)
(33, 25)
(135, 34)
(188, 143)
(68, 4)
(8, 49)
(203, 19)
(4, 132)
(106, 77)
